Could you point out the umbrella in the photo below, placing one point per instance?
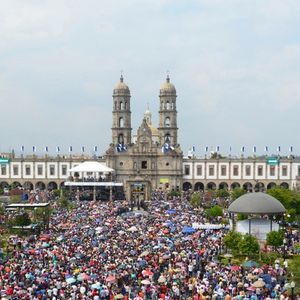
(147, 273)
(145, 281)
(96, 286)
(110, 278)
(258, 284)
(132, 229)
(144, 253)
(161, 279)
(60, 238)
(235, 268)
(171, 211)
(188, 230)
(70, 280)
(45, 245)
(266, 278)
(250, 264)
(119, 296)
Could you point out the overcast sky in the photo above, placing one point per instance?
(235, 65)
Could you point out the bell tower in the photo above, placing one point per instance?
(121, 114)
(168, 114)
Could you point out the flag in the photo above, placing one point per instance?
(266, 149)
(243, 149)
(254, 149)
(33, 148)
(46, 149)
(206, 149)
(194, 148)
(121, 148)
(82, 149)
(57, 149)
(291, 149)
(217, 148)
(95, 149)
(278, 149)
(70, 149)
(22, 148)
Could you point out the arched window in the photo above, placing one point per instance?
(172, 105)
(121, 122)
(121, 138)
(121, 105)
(167, 122)
(162, 105)
(167, 138)
(168, 105)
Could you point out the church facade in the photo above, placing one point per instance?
(152, 158)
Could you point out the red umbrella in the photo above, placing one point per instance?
(147, 273)
(110, 278)
(235, 268)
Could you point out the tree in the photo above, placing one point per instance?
(214, 211)
(236, 193)
(275, 238)
(195, 200)
(222, 193)
(248, 245)
(232, 240)
(22, 220)
(63, 202)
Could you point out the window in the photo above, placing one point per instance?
(284, 171)
(40, 170)
(64, 170)
(168, 105)
(235, 170)
(199, 170)
(52, 170)
(121, 122)
(186, 170)
(167, 122)
(27, 170)
(121, 105)
(115, 105)
(223, 170)
(3, 169)
(167, 138)
(272, 170)
(144, 164)
(259, 171)
(121, 138)
(248, 171)
(211, 171)
(15, 170)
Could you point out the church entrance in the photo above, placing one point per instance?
(139, 192)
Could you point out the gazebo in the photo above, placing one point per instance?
(260, 204)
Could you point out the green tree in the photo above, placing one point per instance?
(248, 245)
(15, 199)
(236, 193)
(22, 220)
(275, 238)
(63, 202)
(232, 240)
(222, 193)
(214, 211)
(56, 193)
(195, 200)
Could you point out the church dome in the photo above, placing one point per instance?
(148, 118)
(167, 87)
(121, 87)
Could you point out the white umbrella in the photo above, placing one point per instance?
(145, 281)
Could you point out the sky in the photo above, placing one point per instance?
(235, 65)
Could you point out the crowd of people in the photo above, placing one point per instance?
(99, 250)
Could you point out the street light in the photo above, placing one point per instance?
(292, 288)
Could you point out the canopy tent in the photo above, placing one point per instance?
(91, 166)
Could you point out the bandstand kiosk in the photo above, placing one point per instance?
(91, 177)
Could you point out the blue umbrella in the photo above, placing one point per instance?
(266, 278)
(171, 211)
(250, 264)
(188, 230)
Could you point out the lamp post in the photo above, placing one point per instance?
(292, 288)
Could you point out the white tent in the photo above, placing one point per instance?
(91, 166)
